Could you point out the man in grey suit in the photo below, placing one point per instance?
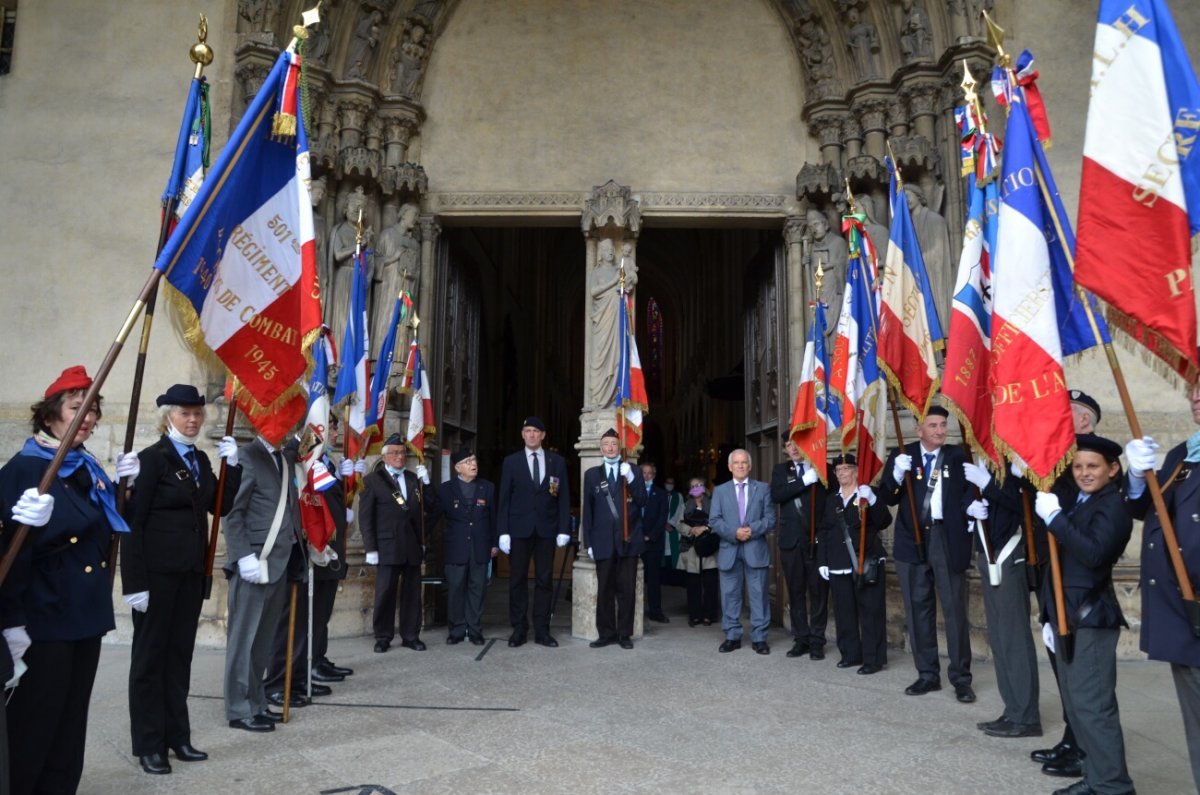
(742, 515)
(257, 576)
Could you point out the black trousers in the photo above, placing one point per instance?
(652, 578)
(324, 594)
(808, 596)
(160, 665)
(1068, 736)
(541, 550)
(387, 578)
(861, 619)
(466, 584)
(616, 584)
(704, 595)
(48, 714)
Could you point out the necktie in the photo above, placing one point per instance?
(192, 465)
(278, 456)
(929, 463)
(399, 478)
(741, 495)
(612, 476)
(537, 471)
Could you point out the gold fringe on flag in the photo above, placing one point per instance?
(283, 125)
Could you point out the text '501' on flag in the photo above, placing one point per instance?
(1032, 416)
(814, 414)
(632, 401)
(242, 260)
(1139, 202)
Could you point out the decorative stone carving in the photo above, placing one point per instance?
(862, 39)
(428, 10)
(793, 230)
(872, 114)
(865, 169)
(397, 263)
(922, 99)
(816, 54)
(828, 129)
(816, 182)
(875, 229)
(897, 117)
(604, 307)
(408, 60)
(398, 133)
(934, 236)
(316, 188)
(406, 179)
(916, 34)
(611, 204)
(339, 270)
(320, 36)
(915, 152)
(364, 43)
(828, 251)
(251, 76)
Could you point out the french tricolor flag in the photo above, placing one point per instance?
(1139, 202)
(814, 414)
(632, 399)
(420, 413)
(353, 383)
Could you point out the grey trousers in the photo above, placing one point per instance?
(922, 585)
(254, 612)
(466, 584)
(1007, 609)
(1187, 688)
(1089, 689)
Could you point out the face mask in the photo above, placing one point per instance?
(612, 461)
(392, 470)
(669, 486)
(179, 438)
(696, 491)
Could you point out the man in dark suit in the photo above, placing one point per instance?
(798, 492)
(936, 570)
(534, 515)
(654, 533)
(742, 515)
(609, 488)
(468, 503)
(393, 512)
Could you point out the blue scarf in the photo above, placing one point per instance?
(102, 493)
(1193, 448)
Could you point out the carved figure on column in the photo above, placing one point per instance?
(320, 36)
(363, 45)
(250, 15)
(341, 264)
(863, 41)
(603, 321)
(831, 253)
(817, 52)
(397, 262)
(316, 190)
(876, 231)
(916, 34)
(934, 237)
(408, 62)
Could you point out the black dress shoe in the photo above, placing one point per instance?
(296, 702)
(625, 643)
(1014, 730)
(729, 645)
(184, 752)
(1078, 788)
(659, 617)
(799, 649)
(454, 639)
(415, 645)
(848, 663)
(155, 763)
(329, 668)
(547, 641)
(270, 717)
(1067, 767)
(964, 694)
(323, 676)
(515, 640)
(1051, 755)
(693, 622)
(869, 668)
(382, 645)
(921, 687)
(255, 724)
(600, 643)
(761, 647)
(998, 722)
(317, 690)
(476, 640)
(816, 653)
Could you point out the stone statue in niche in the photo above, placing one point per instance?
(916, 34)
(830, 252)
(316, 190)
(250, 15)
(340, 266)
(408, 62)
(320, 37)
(397, 263)
(604, 307)
(817, 52)
(428, 9)
(877, 232)
(863, 41)
(363, 46)
(934, 237)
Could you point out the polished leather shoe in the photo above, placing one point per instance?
(659, 617)
(729, 645)
(317, 690)
(381, 646)
(1051, 755)
(1067, 767)
(330, 669)
(476, 640)
(921, 687)
(453, 640)
(1014, 730)
(296, 702)
(1078, 788)
(848, 663)
(799, 649)
(600, 643)
(320, 676)
(155, 763)
(255, 724)
(869, 669)
(625, 643)
(184, 752)
(547, 641)
(515, 640)
(998, 722)
(271, 717)
(693, 622)
(816, 653)
(964, 694)
(415, 645)
(761, 647)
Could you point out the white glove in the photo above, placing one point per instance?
(18, 642)
(33, 509)
(372, 558)
(562, 539)
(322, 558)
(1140, 455)
(138, 601)
(227, 449)
(902, 464)
(867, 493)
(976, 475)
(128, 466)
(506, 544)
(349, 515)
(360, 466)
(1046, 505)
(249, 568)
(346, 468)
(627, 472)
(423, 474)
(1048, 636)
(810, 475)
(978, 509)
(590, 555)
(1016, 470)
(823, 571)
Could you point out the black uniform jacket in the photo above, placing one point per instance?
(602, 532)
(832, 550)
(470, 523)
(955, 499)
(654, 517)
(525, 509)
(795, 524)
(389, 528)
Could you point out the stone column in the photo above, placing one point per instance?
(828, 130)
(872, 114)
(797, 300)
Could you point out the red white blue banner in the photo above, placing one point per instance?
(420, 412)
(632, 400)
(815, 414)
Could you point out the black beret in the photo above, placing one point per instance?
(533, 422)
(394, 440)
(181, 395)
(843, 459)
(937, 411)
(611, 433)
(1098, 444)
(1084, 399)
(461, 454)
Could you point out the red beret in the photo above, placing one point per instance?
(72, 378)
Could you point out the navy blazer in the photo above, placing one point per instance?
(760, 518)
(603, 533)
(526, 510)
(654, 517)
(955, 499)
(1092, 539)
(470, 524)
(795, 525)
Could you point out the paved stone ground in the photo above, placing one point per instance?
(672, 715)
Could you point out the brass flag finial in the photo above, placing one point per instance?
(200, 53)
(996, 39)
(895, 165)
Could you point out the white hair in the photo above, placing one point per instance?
(164, 412)
(749, 458)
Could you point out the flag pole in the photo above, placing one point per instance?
(214, 533)
(624, 374)
(358, 241)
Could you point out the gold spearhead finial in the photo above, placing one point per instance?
(996, 39)
(307, 19)
(819, 277)
(968, 84)
(850, 198)
(895, 165)
(414, 321)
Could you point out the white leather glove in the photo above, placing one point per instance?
(562, 539)
(976, 475)
(249, 568)
(323, 557)
(18, 642)
(349, 515)
(823, 571)
(978, 509)
(138, 601)
(423, 474)
(810, 475)
(1140, 455)
(1016, 470)
(372, 558)
(128, 466)
(867, 493)
(627, 472)
(590, 555)
(346, 468)
(506, 544)
(33, 509)
(1048, 636)
(227, 449)
(1046, 505)
(902, 464)
(360, 466)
